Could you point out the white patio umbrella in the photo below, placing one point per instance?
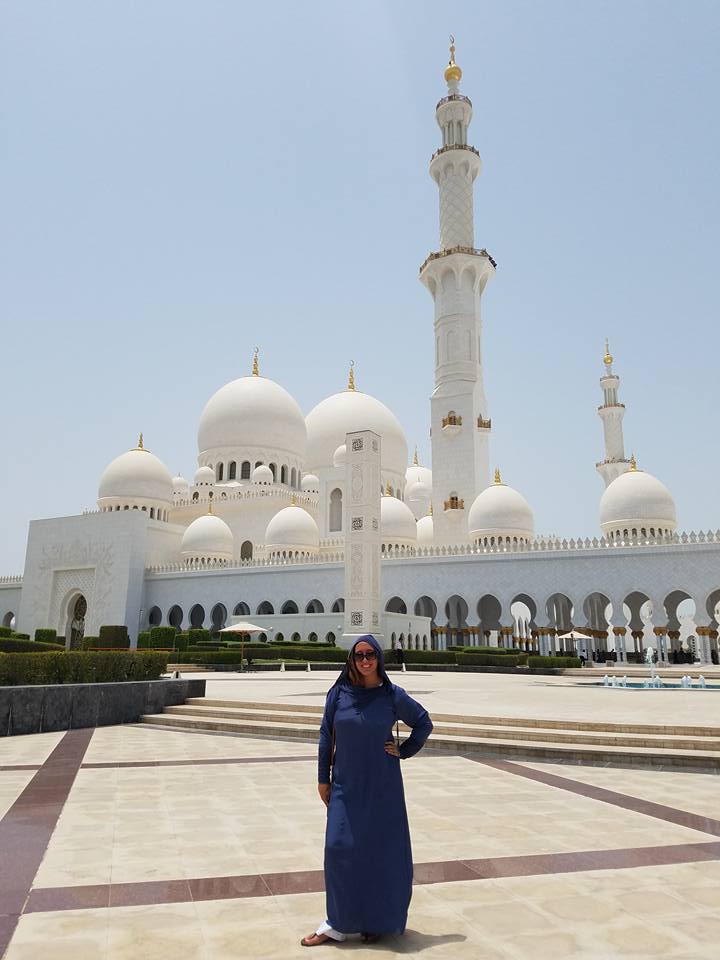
(244, 627)
(574, 635)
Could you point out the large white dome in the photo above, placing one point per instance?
(252, 412)
(207, 538)
(136, 475)
(334, 417)
(397, 523)
(416, 473)
(292, 527)
(501, 512)
(637, 500)
(425, 533)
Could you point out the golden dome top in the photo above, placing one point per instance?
(633, 463)
(497, 475)
(351, 376)
(607, 359)
(416, 462)
(255, 365)
(452, 71)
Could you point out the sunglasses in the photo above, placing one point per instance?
(364, 655)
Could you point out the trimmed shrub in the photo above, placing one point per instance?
(46, 635)
(5, 631)
(89, 643)
(13, 645)
(162, 638)
(486, 660)
(259, 652)
(143, 640)
(73, 666)
(115, 637)
(20, 636)
(422, 656)
(198, 633)
(560, 662)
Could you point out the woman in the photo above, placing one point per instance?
(368, 860)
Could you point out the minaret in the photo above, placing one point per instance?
(611, 413)
(456, 276)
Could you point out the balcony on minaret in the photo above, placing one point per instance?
(607, 406)
(451, 424)
(454, 503)
(483, 424)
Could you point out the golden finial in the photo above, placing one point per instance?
(210, 512)
(633, 462)
(607, 359)
(452, 71)
(351, 376)
(293, 500)
(140, 443)
(255, 366)
(430, 514)
(497, 475)
(388, 489)
(416, 462)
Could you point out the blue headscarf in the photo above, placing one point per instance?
(344, 678)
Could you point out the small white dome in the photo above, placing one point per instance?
(637, 500)
(136, 475)
(180, 485)
(204, 477)
(310, 483)
(419, 490)
(252, 412)
(425, 533)
(292, 527)
(397, 523)
(340, 455)
(501, 512)
(262, 474)
(416, 473)
(343, 413)
(207, 538)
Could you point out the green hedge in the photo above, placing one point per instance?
(20, 636)
(561, 662)
(422, 656)
(13, 645)
(90, 642)
(487, 660)
(143, 640)
(198, 633)
(162, 638)
(47, 635)
(73, 666)
(5, 631)
(260, 652)
(115, 636)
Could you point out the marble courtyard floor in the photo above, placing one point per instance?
(141, 842)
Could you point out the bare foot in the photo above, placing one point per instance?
(314, 940)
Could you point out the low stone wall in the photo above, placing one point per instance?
(43, 709)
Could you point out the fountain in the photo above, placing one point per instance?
(650, 661)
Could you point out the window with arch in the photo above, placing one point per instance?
(283, 473)
(273, 470)
(258, 463)
(336, 509)
(219, 471)
(246, 550)
(289, 607)
(245, 470)
(155, 617)
(232, 470)
(293, 478)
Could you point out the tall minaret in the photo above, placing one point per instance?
(456, 276)
(611, 413)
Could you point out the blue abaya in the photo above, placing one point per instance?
(368, 858)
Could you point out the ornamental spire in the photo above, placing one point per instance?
(633, 463)
(255, 366)
(210, 510)
(351, 377)
(140, 443)
(416, 462)
(453, 73)
(497, 475)
(388, 489)
(607, 359)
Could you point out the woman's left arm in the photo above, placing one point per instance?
(415, 716)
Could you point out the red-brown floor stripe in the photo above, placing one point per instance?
(312, 881)
(115, 764)
(26, 828)
(681, 818)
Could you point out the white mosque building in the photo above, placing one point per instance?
(260, 528)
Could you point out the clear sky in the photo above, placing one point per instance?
(184, 180)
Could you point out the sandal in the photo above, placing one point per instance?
(370, 937)
(314, 940)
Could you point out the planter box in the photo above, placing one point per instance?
(67, 706)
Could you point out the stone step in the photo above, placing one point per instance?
(495, 746)
(521, 722)
(466, 729)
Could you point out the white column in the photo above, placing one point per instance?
(361, 521)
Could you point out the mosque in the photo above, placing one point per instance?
(262, 528)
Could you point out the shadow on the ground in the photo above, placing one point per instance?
(422, 941)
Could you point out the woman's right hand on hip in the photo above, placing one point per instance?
(324, 791)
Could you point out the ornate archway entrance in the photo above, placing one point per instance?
(76, 622)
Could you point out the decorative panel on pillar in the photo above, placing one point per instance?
(361, 523)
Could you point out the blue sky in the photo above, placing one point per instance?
(181, 181)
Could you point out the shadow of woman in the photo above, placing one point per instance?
(422, 941)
